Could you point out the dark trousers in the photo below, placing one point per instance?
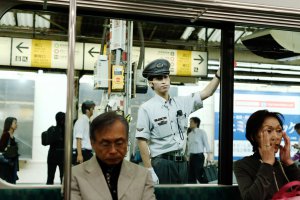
(52, 170)
(196, 171)
(169, 171)
(86, 154)
(8, 171)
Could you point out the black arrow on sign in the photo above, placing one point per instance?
(91, 51)
(200, 59)
(19, 47)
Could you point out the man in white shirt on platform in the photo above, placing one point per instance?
(197, 146)
(82, 149)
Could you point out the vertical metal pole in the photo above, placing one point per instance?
(70, 95)
(129, 68)
(226, 106)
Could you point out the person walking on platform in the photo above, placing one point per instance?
(197, 146)
(56, 150)
(162, 122)
(8, 171)
(82, 149)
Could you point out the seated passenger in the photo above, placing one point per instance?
(107, 175)
(261, 175)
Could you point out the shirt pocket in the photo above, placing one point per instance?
(162, 129)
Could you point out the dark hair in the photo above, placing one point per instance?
(254, 124)
(150, 78)
(104, 121)
(297, 126)
(86, 106)
(196, 120)
(7, 123)
(60, 118)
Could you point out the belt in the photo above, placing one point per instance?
(172, 157)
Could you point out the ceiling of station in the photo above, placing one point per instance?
(54, 26)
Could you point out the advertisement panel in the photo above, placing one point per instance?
(246, 103)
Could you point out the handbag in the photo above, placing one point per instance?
(290, 191)
(3, 160)
(210, 172)
(10, 151)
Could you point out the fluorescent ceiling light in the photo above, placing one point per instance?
(41, 22)
(201, 34)
(8, 19)
(25, 19)
(271, 71)
(187, 32)
(262, 78)
(216, 36)
(257, 65)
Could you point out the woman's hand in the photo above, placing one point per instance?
(266, 150)
(285, 155)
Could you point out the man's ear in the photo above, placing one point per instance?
(92, 142)
(150, 83)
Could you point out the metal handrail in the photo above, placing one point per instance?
(70, 96)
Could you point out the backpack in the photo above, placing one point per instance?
(49, 136)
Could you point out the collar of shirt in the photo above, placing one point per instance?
(163, 101)
(86, 117)
(114, 172)
(115, 169)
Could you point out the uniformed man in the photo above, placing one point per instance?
(161, 124)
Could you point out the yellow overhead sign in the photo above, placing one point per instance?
(41, 53)
(54, 54)
(184, 62)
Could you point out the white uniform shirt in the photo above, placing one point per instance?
(157, 122)
(82, 130)
(197, 141)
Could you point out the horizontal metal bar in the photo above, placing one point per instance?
(244, 20)
(235, 5)
(140, 9)
(245, 14)
(190, 9)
